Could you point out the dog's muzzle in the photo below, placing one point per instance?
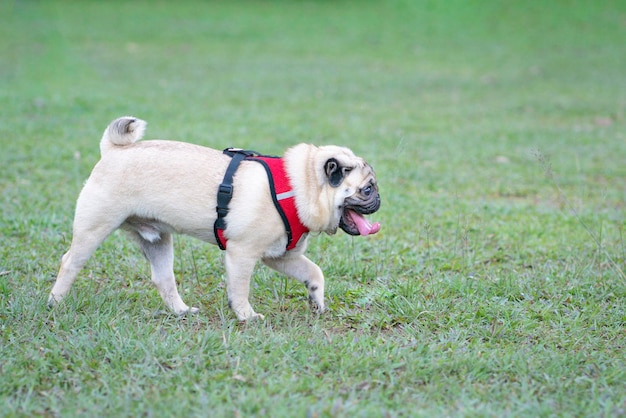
(352, 220)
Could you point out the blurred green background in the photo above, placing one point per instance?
(495, 288)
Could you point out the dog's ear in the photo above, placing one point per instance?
(335, 172)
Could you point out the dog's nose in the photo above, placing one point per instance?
(372, 206)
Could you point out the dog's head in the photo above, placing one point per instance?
(334, 189)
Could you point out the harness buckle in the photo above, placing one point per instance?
(226, 190)
(221, 211)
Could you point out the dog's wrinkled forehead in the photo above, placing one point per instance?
(344, 156)
(337, 165)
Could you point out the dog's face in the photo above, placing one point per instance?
(356, 193)
(334, 189)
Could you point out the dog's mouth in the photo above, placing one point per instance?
(354, 223)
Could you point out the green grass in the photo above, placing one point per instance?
(496, 286)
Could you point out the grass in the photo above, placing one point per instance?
(495, 288)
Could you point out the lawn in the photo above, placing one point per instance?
(495, 288)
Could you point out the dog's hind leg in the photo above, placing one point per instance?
(87, 236)
(160, 253)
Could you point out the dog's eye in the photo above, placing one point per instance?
(366, 191)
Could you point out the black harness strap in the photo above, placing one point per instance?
(280, 190)
(225, 192)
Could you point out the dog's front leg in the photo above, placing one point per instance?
(305, 271)
(239, 269)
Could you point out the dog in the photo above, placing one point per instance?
(154, 189)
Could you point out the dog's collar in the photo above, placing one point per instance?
(280, 189)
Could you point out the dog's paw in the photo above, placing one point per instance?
(251, 317)
(245, 312)
(53, 300)
(256, 317)
(316, 307)
(186, 311)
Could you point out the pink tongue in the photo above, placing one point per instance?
(364, 227)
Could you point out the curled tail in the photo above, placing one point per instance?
(122, 131)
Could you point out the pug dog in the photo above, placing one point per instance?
(154, 189)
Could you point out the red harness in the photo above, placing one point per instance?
(280, 189)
